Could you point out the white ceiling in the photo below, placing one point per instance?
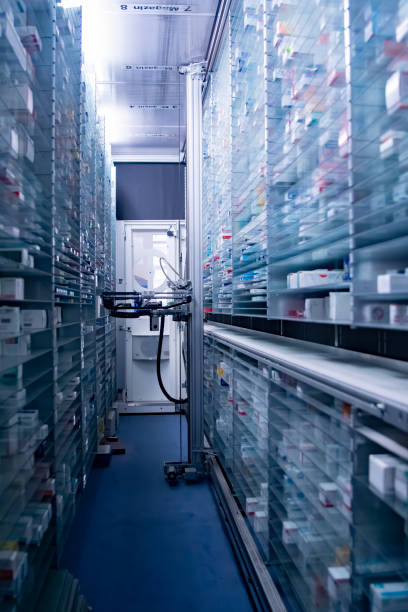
(119, 42)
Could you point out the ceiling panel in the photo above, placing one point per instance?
(145, 106)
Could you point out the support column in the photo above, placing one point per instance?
(194, 78)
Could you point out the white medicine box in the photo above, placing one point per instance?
(20, 345)
(401, 482)
(9, 320)
(392, 283)
(33, 319)
(315, 308)
(389, 597)
(381, 472)
(12, 288)
(340, 306)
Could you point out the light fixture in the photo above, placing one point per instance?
(71, 3)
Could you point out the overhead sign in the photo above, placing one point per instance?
(149, 68)
(155, 135)
(157, 9)
(154, 106)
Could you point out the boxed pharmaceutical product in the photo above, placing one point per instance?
(328, 494)
(338, 582)
(392, 283)
(20, 345)
(9, 440)
(399, 314)
(375, 313)
(23, 530)
(289, 532)
(389, 597)
(401, 481)
(9, 320)
(33, 319)
(340, 306)
(261, 521)
(396, 92)
(12, 288)
(310, 278)
(381, 472)
(11, 378)
(315, 308)
(58, 315)
(292, 280)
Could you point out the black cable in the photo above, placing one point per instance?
(158, 367)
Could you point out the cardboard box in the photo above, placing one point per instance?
(9, 320)
(392, 283)
(33, 319)
(381, 472)
(340, 306)
(12, 288)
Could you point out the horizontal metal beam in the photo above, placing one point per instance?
(158, 159)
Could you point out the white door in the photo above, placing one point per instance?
(144, 243)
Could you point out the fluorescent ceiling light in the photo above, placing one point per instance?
(71, 3)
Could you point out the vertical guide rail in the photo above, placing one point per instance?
(194, 80)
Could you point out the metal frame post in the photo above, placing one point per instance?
(194, 78)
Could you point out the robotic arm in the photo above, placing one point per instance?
(133, 305)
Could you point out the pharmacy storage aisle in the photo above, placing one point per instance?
(139, 544)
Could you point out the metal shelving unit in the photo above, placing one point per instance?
(48, 267)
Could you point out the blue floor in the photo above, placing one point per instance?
(138, 545)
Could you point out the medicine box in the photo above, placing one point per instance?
(381, 472)
(328, 494)
(315, 308)
(398, 314)
(261, 521)
(389, 597)
(375, 313)
(340, 306)
(289, 532)
(292, 280)
(9, 320)
(12, 288)
(310, 278)
(21, 345)
(396, 92)
(338, 582)
(392, 283)
(33, 319)
(401, 482)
